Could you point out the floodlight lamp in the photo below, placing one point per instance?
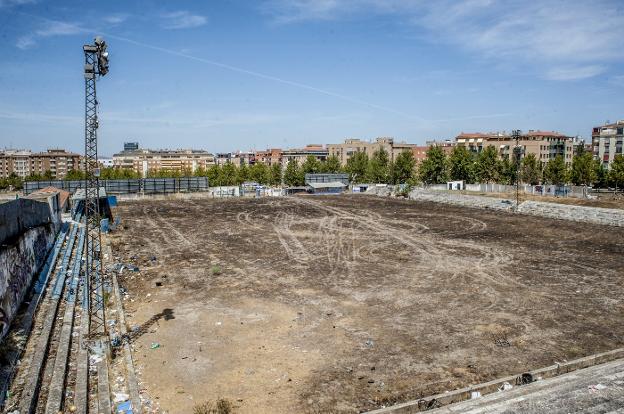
(105, 55)
(99, 41)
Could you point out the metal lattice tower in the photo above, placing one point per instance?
(96, 64)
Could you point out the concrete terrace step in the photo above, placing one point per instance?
(597, 215)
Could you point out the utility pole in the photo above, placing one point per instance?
(517, 151)
(96, 65)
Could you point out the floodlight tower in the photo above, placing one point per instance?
(517, 152)
(96, 65)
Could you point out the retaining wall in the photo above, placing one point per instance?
(19, 215)
(19, 263)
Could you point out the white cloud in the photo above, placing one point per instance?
(574, 72)
(49, 29)
(25, 42)
(182, 20)
(116, 18)
(580, 37)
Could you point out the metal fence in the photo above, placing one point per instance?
(131, 186)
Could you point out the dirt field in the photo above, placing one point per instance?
(348, 303)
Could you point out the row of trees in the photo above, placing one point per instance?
(436, 168)
(488, 167)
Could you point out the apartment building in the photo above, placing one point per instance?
(351, 146)
(446, 145)
(301, 154)
(143, 161)
(545, 145)
(269, 156)
(237, 158)
(607, 142)
(24, 163)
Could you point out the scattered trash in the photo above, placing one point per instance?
(502, 342)
(526, 378)
(218, 323)
(159, 284)
(505, 387)
(116, 341)
(369, 343)
(475, 394)
(597, 387)
(153, 258)
(155, 345)
(125, 408)
(120, 397)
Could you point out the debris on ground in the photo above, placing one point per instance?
(154, 345)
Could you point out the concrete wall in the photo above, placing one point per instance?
(19, 215)
(19, 263)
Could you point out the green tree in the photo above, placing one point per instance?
(530, 170)
(242, 173)
(434, 169)
(583, 171)
(259, 173)
(461, 165)
(311, 165)
(616, 172)
(228, 174)
(378, 170)
(556, 171)
(213, 173)
(275, 175)
(602, 175)
(356, 167)
(487, 167)
(331, 165)
(507, 172)
(293, 176)
(402, 170)
(14, 181)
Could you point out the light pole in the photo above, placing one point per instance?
(517, 151)
(96, 65)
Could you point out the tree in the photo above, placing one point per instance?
(507, 172)
(228, 174)
(530, 170)
(616, 172)
(356, 167)
(275, 175)
(487, 167)
(259, 173)
(14, 181)
(461, 165)
(583, 171)
(311, 165)
(378, 167)
(602, 175)
(293, 176)
(556, 171)
(402, 170)
(214, 174)
(331, 165)
(433, 169)
(242, 174)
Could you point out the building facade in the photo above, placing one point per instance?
(607, 142)
(351, 146)
(269, 157)
(301, 154)
(144, 161)
(545, 145)
(24, 163)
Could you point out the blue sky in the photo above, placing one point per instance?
(238, 75)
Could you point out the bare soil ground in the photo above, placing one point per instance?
(348, 303)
